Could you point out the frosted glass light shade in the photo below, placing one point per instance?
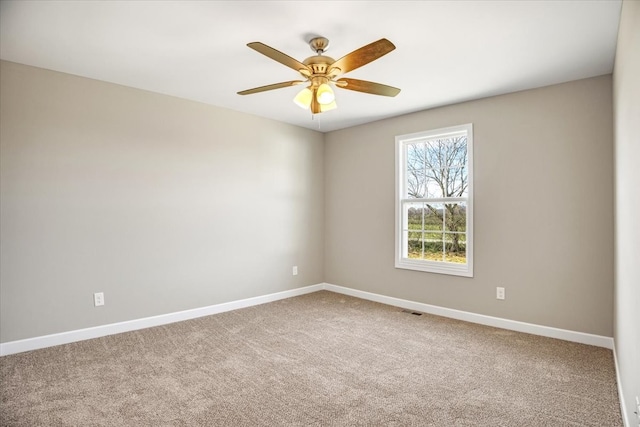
(303, 98)
(327, 107)
(325, 95)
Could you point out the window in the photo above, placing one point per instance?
(434, 201)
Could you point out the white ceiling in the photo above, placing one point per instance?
(446, 51)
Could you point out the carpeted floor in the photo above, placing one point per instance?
(321, 359)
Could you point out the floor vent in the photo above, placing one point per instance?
(415, 313)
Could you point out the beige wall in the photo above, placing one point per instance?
(162, 204)
(626, 95)
(154, 201)
(543, 208)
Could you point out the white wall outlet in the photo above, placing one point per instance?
(295, 270)
(98, 299)
(499, 293)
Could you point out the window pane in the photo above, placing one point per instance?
(456, 151)
(455, 182)
(433, 185)
(435, 154)
(455, 248)
(415, 216)
(416, 179)
(457, 178)
(414, 244)
(455, 216)
(415, 155)
(433, 216)
(424, 216)
(433, 247)
(416, 184)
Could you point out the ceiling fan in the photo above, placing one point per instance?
(320, 70)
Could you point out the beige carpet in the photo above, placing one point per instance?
(321, 359)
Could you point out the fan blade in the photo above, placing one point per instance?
(270, 87)
(367, 87)
(363, 56)
(276, 55)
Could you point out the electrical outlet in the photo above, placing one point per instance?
(295, 270)
(499, 293)
(98, 299)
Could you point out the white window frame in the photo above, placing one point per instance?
(441, 267)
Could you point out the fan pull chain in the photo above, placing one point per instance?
(313, 117)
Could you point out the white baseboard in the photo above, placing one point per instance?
(513, 325)
(36, 343)
(623, 406)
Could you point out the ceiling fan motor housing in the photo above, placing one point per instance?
(319, 64)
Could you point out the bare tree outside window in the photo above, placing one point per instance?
(437, 169)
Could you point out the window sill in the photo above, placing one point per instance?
(452, 269)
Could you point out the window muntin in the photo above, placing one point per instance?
(434, 201)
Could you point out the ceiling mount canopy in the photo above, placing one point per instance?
(319, 44)
(321, 72)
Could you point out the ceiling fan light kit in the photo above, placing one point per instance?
(325, 94)
(303, 98)
(321, 71)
